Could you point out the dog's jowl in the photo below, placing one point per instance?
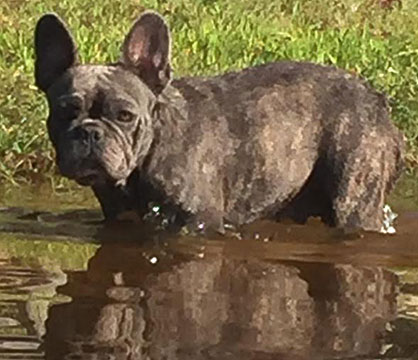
(286, 139)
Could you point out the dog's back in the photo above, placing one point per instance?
(277, 139)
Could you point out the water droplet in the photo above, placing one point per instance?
(229, 227)
(201, 226)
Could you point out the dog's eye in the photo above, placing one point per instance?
(125, 116)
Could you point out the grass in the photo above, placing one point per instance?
(209, 36)
(50, 255)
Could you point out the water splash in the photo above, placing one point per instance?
(157, 216)
(389, 217)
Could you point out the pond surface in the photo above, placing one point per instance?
(73, 288)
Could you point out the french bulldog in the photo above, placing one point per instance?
(285, 139)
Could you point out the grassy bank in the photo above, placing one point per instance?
(210, 36)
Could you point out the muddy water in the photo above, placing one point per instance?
(73, 288)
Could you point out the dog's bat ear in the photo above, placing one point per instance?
(55, 50)
(146, 51)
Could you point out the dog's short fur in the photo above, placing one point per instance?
(287, 139)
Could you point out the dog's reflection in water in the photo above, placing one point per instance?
(134, 303)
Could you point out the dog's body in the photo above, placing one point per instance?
(283, 139)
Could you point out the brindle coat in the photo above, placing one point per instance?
(286, 139)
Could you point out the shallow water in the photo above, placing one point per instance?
(73, 288)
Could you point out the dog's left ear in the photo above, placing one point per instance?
(146, 51)
(55, 50)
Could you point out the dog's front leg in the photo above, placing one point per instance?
(208, 218)
(113, 200)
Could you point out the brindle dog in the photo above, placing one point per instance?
(286, 139)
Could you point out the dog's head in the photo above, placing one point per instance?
(100, 119)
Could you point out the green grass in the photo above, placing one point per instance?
(209, 36)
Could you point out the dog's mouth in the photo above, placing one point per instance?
(90, 168)
(89, 175)
(84, 175)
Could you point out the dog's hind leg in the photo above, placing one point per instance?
(362, 179)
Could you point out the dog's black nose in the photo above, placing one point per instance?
(88, 134)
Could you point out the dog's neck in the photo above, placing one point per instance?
(170, 122)
(171, 111)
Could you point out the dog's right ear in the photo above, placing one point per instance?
(55, 50)
(146, 51)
